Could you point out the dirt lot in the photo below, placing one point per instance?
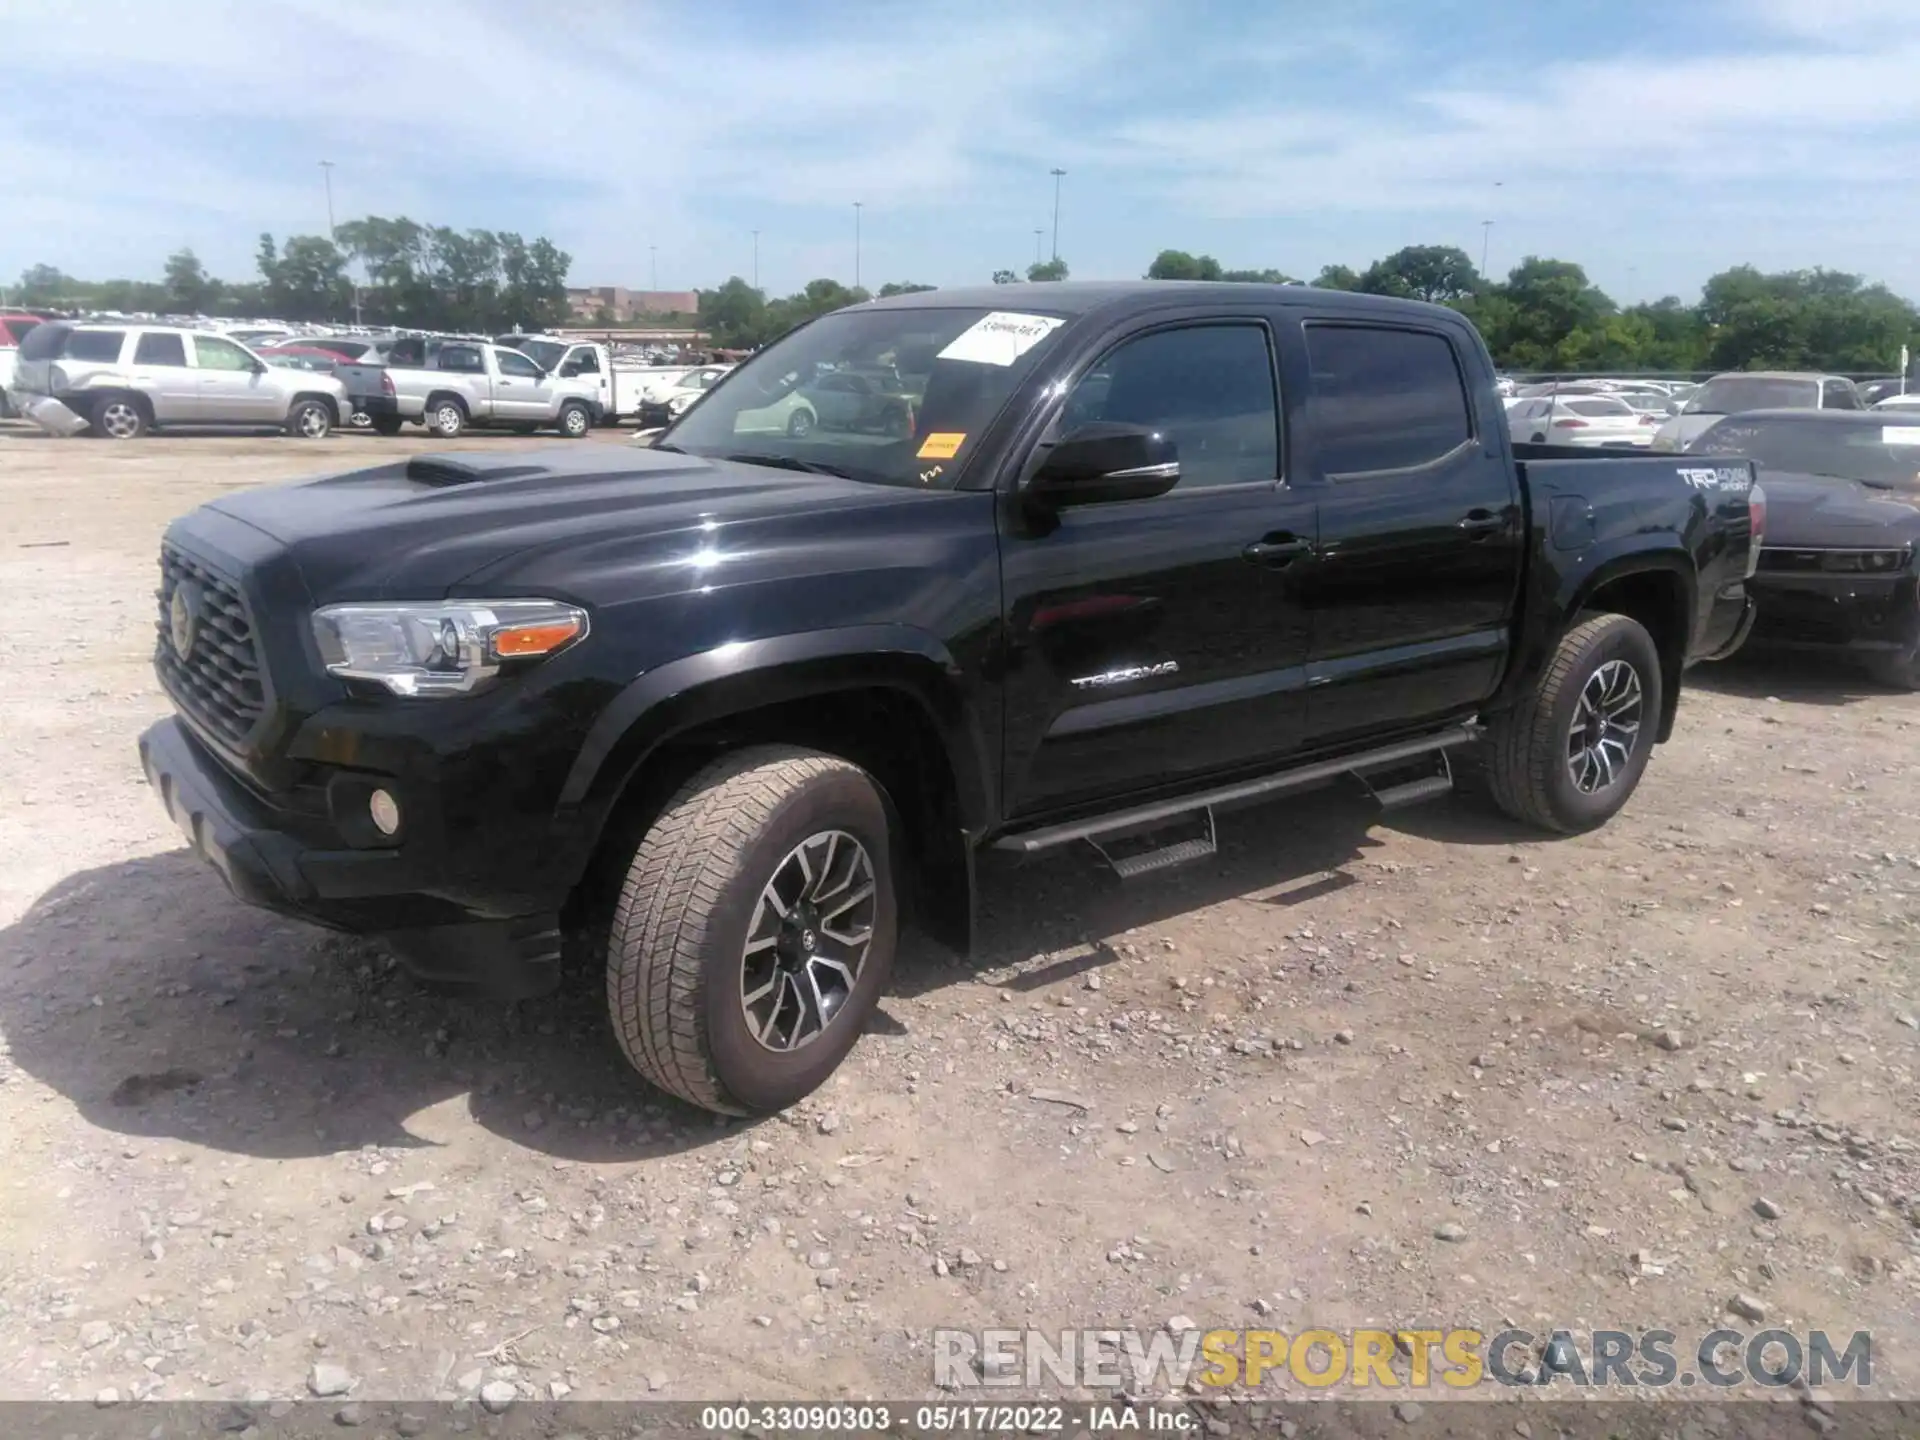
(1424, 1069)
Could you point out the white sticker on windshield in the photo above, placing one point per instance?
(1900, 434)
(1000, 338)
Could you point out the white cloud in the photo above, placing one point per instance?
(615, 127)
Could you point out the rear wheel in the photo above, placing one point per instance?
(1568, 755)
(755, 930)
(310, 419)
(446, 417)
(120, 417)
(800, 424)
(575, 420)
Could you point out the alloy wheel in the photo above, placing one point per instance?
(809, 936)
(120, 420)
(1606, 727)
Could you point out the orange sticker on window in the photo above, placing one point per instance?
(941, 446)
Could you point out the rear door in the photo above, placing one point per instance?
(1421, 530)
(1146, 644)
(232, 387)
(161, 370)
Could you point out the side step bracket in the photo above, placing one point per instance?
(1141, 817)
(1180, 852)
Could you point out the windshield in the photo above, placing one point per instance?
(544, 353)
(1730, 394)
(1875, 454)
(893, 396)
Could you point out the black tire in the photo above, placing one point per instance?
(386, 425)
(445, 416)
(525, 428)
(121, 417)
(1901, 672)
(574, 420)
(1530, 763)
(678, 967)
(1539, 440)
(800, 424)
(310, 420)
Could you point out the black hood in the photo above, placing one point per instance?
(1818, 512)
(427, 524)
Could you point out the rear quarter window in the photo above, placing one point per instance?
(93, 345)
(45, 342)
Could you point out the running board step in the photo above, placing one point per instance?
(1140, 817)
(1414, 791)
(1179, 852)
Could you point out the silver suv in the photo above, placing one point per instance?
(124, 380)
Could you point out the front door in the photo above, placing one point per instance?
(1148, 643)
(1421, 532)
(233, 387)
(524, 391)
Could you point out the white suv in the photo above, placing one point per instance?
(124, 380)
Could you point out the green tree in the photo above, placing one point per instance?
(1803, 320)
(1006, 277)
(1258, 277)
(1337, 277)
(901, 287)
(189, 289)
(1054, 269)
(1440, 274)
(43, 285)
(1547, 302)
(306, 279)
(1179, 265)
(735, 315)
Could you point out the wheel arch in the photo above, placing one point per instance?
(434, 397)
(885, 697)
(1657, 591)
(332, 404)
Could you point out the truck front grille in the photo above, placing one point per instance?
(216, 682)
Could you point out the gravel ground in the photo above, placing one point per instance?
(1420, 1069)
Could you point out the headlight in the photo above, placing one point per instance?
(679, 403)
(445, 648)
(1867, 562)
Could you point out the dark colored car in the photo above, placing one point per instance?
(1843, 495)
(744, 704)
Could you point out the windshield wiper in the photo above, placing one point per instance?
(787, 462)
(673, 449)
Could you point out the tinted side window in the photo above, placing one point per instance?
(512, 362)
(1384, 399)
(1838, 395)
(158, 349)
(1208, 387)
(462, 359)
(585, 362)
(94, 345)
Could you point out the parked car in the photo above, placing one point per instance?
(458, 383)
(13, 329)
(1843, 524)
(1908, 401)
(347, 347)
(669, 399)
(124, 380)
(1597, 421)
(301, 357)
(744, 707)
(1742, 390)
(619, 382)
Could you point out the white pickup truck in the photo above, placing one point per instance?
(626, 390)
(449, 385)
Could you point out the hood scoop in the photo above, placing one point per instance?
(444, 470)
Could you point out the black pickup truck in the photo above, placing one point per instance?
(746, 701)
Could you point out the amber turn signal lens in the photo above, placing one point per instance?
(519, 641)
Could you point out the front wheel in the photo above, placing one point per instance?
(310, 420)
(800, 424)
(1568, 754)
(575, 421)
(755, 930)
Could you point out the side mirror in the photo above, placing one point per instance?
(569, 370)
(1104, 461)
(259, 367)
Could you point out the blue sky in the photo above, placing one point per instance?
(1654, 142)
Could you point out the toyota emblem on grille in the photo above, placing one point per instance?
(183, 618)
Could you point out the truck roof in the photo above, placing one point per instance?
(1082, 297)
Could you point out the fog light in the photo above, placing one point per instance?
(385, 811)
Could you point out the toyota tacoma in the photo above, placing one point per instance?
(740, 706)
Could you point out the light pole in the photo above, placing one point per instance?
(756, 259)
(1057, 174)
(326, 169)
(857, 206)
(1039, 253)
(1486, 239)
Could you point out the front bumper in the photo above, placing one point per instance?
(1813, 611)
(280, 860)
